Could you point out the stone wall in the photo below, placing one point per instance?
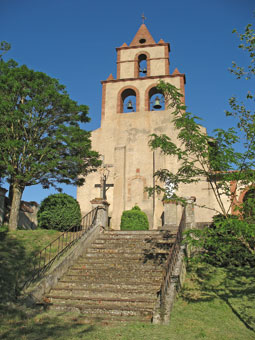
(27, 214)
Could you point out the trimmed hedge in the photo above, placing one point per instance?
(134, 219)
(59, 212)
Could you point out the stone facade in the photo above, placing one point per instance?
(123, 138)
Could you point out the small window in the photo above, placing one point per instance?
(142, 41)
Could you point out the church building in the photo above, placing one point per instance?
(133, 109)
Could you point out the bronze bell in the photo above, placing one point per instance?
(157, 103)
(144, 70)
(130, 105)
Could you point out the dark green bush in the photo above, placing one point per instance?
(59, 212)
(134, 219)
(226, 242)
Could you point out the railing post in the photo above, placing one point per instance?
(102, 212)
(170, 214)
(190, 213)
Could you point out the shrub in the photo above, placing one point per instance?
(60, 212)
(134, 219)
(226, 242)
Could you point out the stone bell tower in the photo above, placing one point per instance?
(132, 109)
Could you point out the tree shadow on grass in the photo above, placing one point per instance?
(16, 265)
(29, 324)
(233, 285)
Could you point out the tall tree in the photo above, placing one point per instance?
(227, 156)
(41, 141)
(216, 157)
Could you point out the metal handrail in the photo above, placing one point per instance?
(172, 259)
(45, 257)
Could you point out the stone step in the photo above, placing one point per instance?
(106, 310)
(83, 270)
(112, 279)
(99, 287)
(131, 243)
(134, 265)
(108, 319)
(106, 293)
(127, 250)
(117, 278)
(134, 238)
(115, 274)
(103, 303)
(115, 260)
(125, 256)
(134, 232)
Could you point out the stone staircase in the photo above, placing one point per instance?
(117, 279)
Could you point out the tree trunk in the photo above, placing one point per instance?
(15, 207)
(10, 192)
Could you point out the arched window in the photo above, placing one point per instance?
(142, 65)
(128, 100)
(156, 100)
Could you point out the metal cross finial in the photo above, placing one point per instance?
(143, 18)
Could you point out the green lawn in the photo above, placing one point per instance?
(17, 257)
(213, 304)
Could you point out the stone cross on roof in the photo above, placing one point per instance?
(143, 18)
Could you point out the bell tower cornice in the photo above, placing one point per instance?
(160, 43)
(182, 75)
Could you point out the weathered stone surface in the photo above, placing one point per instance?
(120, 279)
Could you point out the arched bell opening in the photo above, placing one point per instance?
(156, 100)
(142, 66)
(128, 100)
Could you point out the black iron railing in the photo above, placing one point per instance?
(44, 259)
(172, 259)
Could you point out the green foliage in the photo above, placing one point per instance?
(4, 48)
(134, 219)
(228, 241)
(60, 212)
(41, 139)
(216, 158)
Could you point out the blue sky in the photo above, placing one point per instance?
(75, 40)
